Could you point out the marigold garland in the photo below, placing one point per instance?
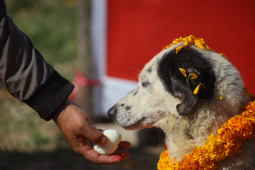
(229, 138)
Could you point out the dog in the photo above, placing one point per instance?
(166, 99)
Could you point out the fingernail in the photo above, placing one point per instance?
(104, 139)
(118, 159)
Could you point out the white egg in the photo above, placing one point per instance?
(112, 143)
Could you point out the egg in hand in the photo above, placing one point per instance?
(112, 143)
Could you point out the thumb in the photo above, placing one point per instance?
(94, 135)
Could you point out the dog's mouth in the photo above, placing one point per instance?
(136, 125)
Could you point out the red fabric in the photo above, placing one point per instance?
(139, 29)
(81, 81)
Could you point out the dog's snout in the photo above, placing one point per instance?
(112, 111)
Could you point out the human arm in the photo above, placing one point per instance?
(79, 133)
(29, 78)
(25, 73)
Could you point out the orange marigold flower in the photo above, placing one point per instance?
(188, 40)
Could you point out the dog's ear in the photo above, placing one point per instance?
(187, 76)
(192, 84)
(185, 94)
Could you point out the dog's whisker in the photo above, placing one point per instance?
(133, 68)
(108, 97)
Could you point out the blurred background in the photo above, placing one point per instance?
(101, 46)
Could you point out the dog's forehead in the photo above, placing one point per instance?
(148, 69)
(152, 66)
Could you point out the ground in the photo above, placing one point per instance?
(66, 159)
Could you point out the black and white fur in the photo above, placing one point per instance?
(164, 99)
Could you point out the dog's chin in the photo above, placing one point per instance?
(137, 125)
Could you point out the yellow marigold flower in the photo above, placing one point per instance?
(178, 49)
(224, 55)
(191, 40)
(196, 89)
(199, 44)
(186, 42)
(183, 72)
(193, 76)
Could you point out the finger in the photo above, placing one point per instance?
(95, 157)
(124, 145)
(123, 154)
(94, 135)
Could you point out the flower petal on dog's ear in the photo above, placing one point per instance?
(196, 89)
(183, 72)
(193, 76)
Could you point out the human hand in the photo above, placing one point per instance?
(78, 131)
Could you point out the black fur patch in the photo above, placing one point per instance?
(149, 70)
(175, 82)
(127, 108)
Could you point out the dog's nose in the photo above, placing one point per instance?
(112, 111)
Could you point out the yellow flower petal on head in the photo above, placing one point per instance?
(189, 40)
(193, 75)
(183, 72)
(224, 55)
(169, 45)
(196, 89)
(220, 97)
(208, 47)
(186, 42)
(178, 49)
(178, 40)
(199, 44)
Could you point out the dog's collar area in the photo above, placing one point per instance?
(227, 143)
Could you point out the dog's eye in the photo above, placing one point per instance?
(144, 84)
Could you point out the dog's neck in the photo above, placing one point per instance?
(184, 135)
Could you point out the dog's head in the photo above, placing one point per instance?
(179, 84)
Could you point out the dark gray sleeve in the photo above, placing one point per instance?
(25, 73)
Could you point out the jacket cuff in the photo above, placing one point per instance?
(50, 96)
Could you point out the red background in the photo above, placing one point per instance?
(138, 29)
